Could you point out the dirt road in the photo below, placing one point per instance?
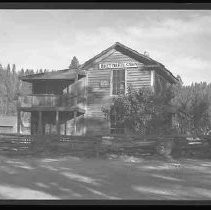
(75, 178)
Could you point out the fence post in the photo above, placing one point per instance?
(97, 148)
(18, 121)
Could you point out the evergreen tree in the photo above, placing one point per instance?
(22, 72)
(179, 79)
(27, 72)
(13, 69)
(8, 69)
(74, 63)
(31, 71)
(195, 101)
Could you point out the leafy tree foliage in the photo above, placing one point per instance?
(141, 111)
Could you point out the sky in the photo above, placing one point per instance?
(48, 39)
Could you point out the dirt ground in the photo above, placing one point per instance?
(121, 178)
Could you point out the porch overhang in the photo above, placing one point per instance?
(61, 75)
(51, 109)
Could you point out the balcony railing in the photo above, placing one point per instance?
(50, 100)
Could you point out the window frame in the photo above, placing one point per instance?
(111, 80)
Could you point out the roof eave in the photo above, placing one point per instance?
(29, 78)
(148, 60)
(164, 71)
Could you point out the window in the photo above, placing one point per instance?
(118, 82)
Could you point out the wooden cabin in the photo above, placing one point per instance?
(69, 102)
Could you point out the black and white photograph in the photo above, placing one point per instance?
(105, 104)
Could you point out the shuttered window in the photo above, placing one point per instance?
(118, 82)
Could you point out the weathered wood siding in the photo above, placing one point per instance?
(137, 78)
(101, 96)
(96, 98)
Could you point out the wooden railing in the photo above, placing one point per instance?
(48, 100)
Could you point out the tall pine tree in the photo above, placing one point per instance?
(74, 63)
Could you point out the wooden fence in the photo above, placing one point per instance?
(73, 145)
(12, 143)
(95, 146)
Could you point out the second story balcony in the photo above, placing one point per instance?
(50, 102)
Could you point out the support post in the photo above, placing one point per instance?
(19, 121)
(65, 128)
(57, 123)
(40, 123)
(75, 115)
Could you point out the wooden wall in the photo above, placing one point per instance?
(8, 124)
(101, 96)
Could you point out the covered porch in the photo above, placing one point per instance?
(56, 122)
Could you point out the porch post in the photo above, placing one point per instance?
(40, 123)
(75, 115)
(65, 128)
(57, 123)
(18, 121)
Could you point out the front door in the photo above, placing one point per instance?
(118, 82)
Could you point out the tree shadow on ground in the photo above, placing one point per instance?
(189, 179)
(76, 178)
(43, 180)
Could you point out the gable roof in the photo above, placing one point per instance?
(149, 62)
(67, 74)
